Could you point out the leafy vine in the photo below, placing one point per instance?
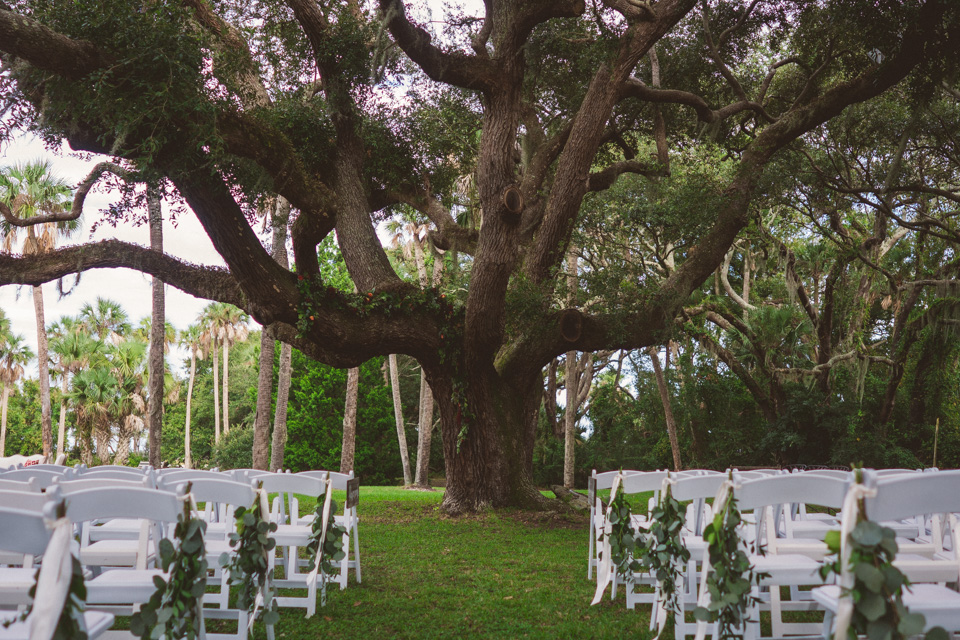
(332, 550)
(249, 567)
(732, 577)
(663, 552)
(175, 610)
(622, 538)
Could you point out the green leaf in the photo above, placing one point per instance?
(872, 606)
(872, 578)
(911, 624)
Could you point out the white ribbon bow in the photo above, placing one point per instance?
(851, 515)
(703, 597)
(605, 571)
(314, 574)
(53, 584)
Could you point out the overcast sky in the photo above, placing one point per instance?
(130, 288)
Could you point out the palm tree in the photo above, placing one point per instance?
(30, 190)
(16, 354)
(70, 351)
(93, 395)
(105, 319)
(229, 325)
(129, 370)
(210, 340)
(191, 338)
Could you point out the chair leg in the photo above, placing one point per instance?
(345, 563)
(356, 549)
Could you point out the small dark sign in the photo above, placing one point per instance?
(353, 493)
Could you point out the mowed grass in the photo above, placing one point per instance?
(503, 574)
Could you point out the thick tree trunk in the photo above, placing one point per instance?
(62, 430)
(425, 436)
(348, 449)
(398, 417)
(102, 437)
(280, 415)
(123, 446)
(187, 458)
(226, 387)
(4, 401)
(216, 393)
(261, 424)
(46, 421)
(86, 446)
(667, 409)
(489, 449)
(157, 335)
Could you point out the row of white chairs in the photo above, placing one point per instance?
(778, 520)
(120, 524)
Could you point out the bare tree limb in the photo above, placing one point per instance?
(79, 197)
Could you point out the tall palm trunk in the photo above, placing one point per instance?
(571, 382)
(398, 416)
(226, 387)
(3, 420)
(261, 453)
(348, 450)
(280, 416)
(187, 460)
(261, 427)
(46, 422)
(425, 433)
(216, 394)
(157, 330)
(102, 437)
(62, 431)
(667, 409)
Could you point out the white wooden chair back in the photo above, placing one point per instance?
(907, 495)
(115, 467)
(221, 496)
(29, 484)
(698, 489)
(23, 500)
(790, 488)
(886, 473)
(134, 475)
(85, 482)
(23, 533)
(42, 477)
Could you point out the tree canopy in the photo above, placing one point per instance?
(645, 135)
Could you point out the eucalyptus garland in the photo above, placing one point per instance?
(663, 552)
(249, 567)
(877, 591)
(332, 544)
(175, 610)
(622, 538)
(732, 576)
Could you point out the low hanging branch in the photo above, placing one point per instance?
(79, 196)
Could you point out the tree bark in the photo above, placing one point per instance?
(62, 431)
(261, 424)
(46, 421)
(279, 216)
(215, 348)
(348, 449)
(123, 446)
(187, 459)
(425, 435)
(398, 416)
(4, 400)
(157, 335)
(280, 415)
(667, 409)
(226, 387)
(571, 383)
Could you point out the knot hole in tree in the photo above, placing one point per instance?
(512, 201)
(571, 324)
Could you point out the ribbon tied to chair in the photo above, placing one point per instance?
(851, 515)
(53, 583)
(315, 573)
(606, 572)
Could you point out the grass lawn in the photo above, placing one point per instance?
(504, 574)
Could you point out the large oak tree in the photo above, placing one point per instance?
(235, 101)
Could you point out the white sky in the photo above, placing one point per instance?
(130, 288)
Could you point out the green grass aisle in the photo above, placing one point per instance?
(499, 575)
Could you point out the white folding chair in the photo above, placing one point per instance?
(223, 495)
(42, 477)
(902, 496)
(29, 485)
(349, 520)
(595, 483)
(26, 533)
(291, 536)
(119, 591)
(118, 535)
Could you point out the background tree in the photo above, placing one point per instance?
(564, 102)
(15, 356)
(28, 191)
